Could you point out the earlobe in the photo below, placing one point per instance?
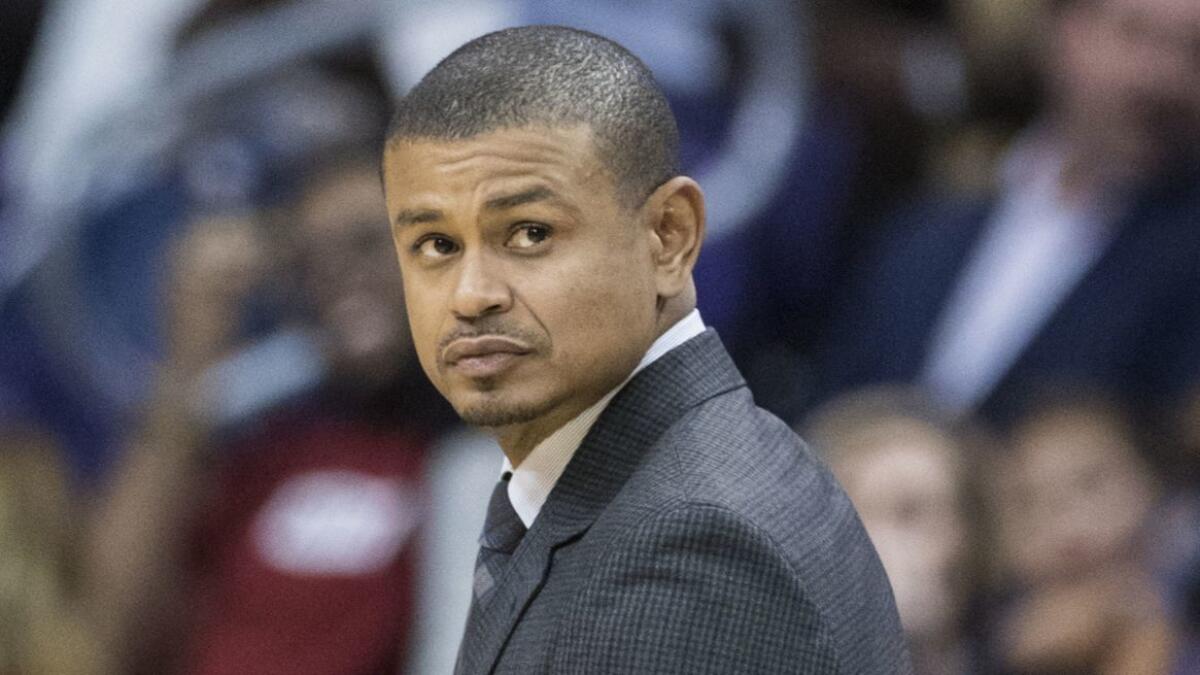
(678, 231)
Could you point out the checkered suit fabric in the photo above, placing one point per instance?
(692, 532)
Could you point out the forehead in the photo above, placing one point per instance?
(562, 159)
(1070, 444)
(904, 443)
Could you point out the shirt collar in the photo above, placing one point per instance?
(532, 482)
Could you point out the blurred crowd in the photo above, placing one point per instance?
(955, 242)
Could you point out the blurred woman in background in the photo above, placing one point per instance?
(911, 477)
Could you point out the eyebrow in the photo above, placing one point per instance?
(409, 217)
(537, 194)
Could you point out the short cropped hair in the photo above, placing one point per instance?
(553, 76)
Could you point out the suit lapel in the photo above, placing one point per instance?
(635, 418)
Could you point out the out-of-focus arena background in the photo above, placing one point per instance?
(955, 242)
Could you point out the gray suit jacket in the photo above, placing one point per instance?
(692, 532)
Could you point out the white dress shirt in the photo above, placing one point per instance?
(533, 480)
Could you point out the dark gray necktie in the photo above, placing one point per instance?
(502, 531)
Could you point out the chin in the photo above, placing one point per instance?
(493, 412)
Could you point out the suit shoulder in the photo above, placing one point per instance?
(728, 443)
(728, 471)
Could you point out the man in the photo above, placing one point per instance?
(650, 518)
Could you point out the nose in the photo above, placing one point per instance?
(481, 289)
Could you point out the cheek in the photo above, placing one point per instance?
(603, 301)
(596, 315)
(422, 321)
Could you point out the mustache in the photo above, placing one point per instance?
(492, 329)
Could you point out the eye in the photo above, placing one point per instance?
(435, 246)
(528, 235)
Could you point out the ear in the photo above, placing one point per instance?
(675, 215)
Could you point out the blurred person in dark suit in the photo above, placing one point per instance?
(1081, 268)
(647, 517)
(913, 477)
(279, 539)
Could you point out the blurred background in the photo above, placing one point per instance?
(956, 243)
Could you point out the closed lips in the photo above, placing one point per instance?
(465, 348)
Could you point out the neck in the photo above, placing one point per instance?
(518, 440)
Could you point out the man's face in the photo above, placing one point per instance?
(530, 286)
(1128, 71)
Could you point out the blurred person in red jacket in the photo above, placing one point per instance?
(263, 520)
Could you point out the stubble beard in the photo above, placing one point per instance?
(494, 414)
(493, 410)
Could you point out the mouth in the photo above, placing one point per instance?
(483, 356)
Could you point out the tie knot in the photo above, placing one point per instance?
(502, 529)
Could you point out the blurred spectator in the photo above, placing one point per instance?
(282, 543)
(885, 79)
(225, 120)
(1082, 268)
(912, 478)
(1076, 506)
(896, 70)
